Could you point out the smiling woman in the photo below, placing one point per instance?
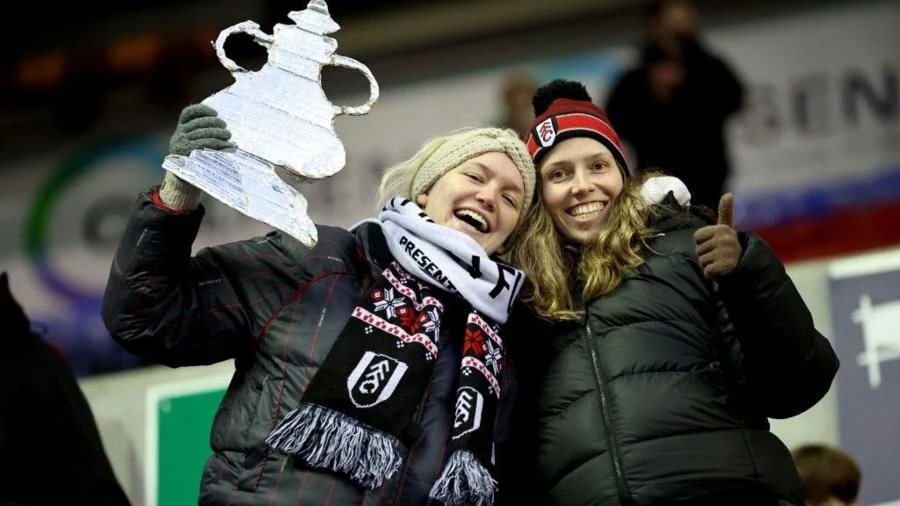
(401, 363)
(658, 341)
(580, 180)
(481, 198)
(477, 181)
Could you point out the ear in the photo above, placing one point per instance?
(422, 200)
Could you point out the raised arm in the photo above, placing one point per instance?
(785, 364)
(160, 302)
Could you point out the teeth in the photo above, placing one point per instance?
(590, 207)
(473, 216)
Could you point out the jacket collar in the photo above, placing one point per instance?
(374, 249)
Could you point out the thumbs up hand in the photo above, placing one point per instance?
(718, 247)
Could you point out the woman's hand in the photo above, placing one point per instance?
(718, 247)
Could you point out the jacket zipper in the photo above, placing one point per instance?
(622, 487)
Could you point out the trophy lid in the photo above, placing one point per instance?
(315, 18)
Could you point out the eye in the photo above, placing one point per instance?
(511, 201)
(600, 165)
(556, 175)
(474, 176)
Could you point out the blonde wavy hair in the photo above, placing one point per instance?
(552, 267)
(397, 180)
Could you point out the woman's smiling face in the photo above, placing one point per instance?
(580, 182)
(482, 198)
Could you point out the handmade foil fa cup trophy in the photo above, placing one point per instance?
(281, 122)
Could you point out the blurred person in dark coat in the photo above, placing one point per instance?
(672, 107)
(50, 447)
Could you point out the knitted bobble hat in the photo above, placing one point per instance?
(564, 110)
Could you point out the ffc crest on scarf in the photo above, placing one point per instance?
(366, 392)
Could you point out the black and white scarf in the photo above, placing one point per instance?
(364, 396)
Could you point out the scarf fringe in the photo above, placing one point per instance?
(464, 481)
(332, 440)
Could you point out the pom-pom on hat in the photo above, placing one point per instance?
(563, 110)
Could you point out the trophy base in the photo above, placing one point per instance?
(250, 185)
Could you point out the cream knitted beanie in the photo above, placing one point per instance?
(467, 144)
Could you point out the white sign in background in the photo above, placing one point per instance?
(824, 95)
(865, 304)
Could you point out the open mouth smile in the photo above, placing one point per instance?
(474, 220)
(586, 211)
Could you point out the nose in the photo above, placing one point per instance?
(581, 183)
(487, 197)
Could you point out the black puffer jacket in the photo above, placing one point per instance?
(661, 395)
(277, 308)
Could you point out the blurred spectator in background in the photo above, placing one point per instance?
(672, 107)
(830, 476)
(517, 112)
(49, 443)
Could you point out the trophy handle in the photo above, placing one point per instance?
(248, 27)
(350, 63)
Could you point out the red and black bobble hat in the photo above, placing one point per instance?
(563, 110)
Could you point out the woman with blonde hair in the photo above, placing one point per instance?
(369, 368)
(658, 342)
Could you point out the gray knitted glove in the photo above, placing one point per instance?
(199, 127)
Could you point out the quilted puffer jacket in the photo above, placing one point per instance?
(276, 307)
(662, 393)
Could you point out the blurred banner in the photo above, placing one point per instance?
(816, 154)
(865, 301)
(61, 219)
(816, 150)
